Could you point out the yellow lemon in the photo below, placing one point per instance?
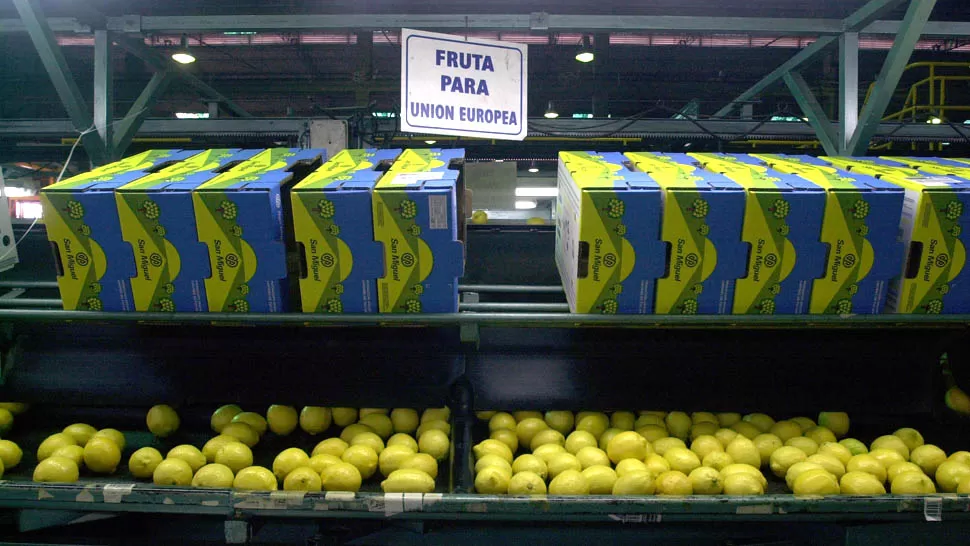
(319, 462)
(682, 459)
(162, 420)
(601, 479)
(364, 412)
(15, 408)
(899, 468)
(829, 463)
(172, 472)
(662, 445)
(381, 424)
(836, 421)
(744, 469)
(912, 483)
(854, 446)
(256, 421)
(652, 433)
(212, 447)
(390, 459)
(531, 463)
(761, 421)
(436, 414)
(343, 417)
(522, 415)
(501, 420)
(959, 456)
(436, 444)
(622, 420)
(363, 457)
(766, 444)
(702, 429)
(369, 439)
(656, 464)
(706, 481)
(894, 443)
(548, 436)
(678, 424)
(743, 451)
(950, 473)
(81, 432)
(704, 444)
(704, 417)
(282, 420)
(804, 422)
(74, 453)
(423, 462)
(255, 478)
(649, 419)
(836, 450)
(507, 437)
(639, 482)
(493, 460)
(963, 487)
(545, 452)
(887, 457)
(443, 426)
(861, 483)
(527, 483)
(746, 429)
(402, 439)
(242, 432)
(492, 481)
(717, 460)
(604, 439)
(486, 447)
(213, 475)
(333, 446)
(816, 482)
(627, 445)
(808, 445)
(928, 457)
(785, 430)
(405, 420)
(783, 458)
(726, 420)
(56, 470)
(595, 424)
(235, 455)
(563, 421)
(223, 416)
(674, 483)
(288, 460)
(303, 478)
(189, 454)
(10, 454)
(592, 456)
(726, 435)
(742, 484)
(526, 429)
(341, 477)
(112, 434)
(798, 468)
(561, 462)
(408, 480)
(102, 456)
(143, 462)
(630, 465)
(867, 463)
(569, 482)
(910, 436)
(821, 435)
(52, 443)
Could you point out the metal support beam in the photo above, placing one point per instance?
(60, 73)
(813, 111)
(868, 14)
(777, 74)
(142, 106)
(159, 63)
(848, 88)
(103, 92)
(892, 70)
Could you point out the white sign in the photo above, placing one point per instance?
(458, 86)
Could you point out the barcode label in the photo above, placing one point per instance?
(933, 508)
(437, 212)
(410, 179)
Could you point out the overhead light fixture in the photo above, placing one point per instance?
(934, 120)
(525, 205)
(192, 115)
(527, 191)
(533, 168)
(551, 112)
(182, 55)
(430, 142)
(585, 54)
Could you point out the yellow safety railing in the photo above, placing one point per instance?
(927, 97)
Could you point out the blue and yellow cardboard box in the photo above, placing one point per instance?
(860, 228)
(158, 223)
(782, 228)
(608, 247)
(94, 264)
(702, 217)
(239, 216)
(933, 279)
(416, 219)
(334, 228)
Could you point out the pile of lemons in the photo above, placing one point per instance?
(402, 444)
(673, 453)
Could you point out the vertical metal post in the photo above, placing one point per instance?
(812, 111)
(213, 109)
(601, 96)
(364, 74)
(848, 88)
(103, 91)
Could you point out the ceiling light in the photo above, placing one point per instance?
(533, 168)
(935, 121)
(182, 55)
(551, 112)
(525, 205)
(585, 54)
(192, 115)
(526, 191)
(430, 142)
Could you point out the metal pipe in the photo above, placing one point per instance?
(30, 302)
(28, 284)
(510, 288)
(524, 307)
(530, 320)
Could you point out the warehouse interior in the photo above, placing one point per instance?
(523, 399)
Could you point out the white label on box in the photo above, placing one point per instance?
(411, 179)
(437, 212)
(934, 181)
